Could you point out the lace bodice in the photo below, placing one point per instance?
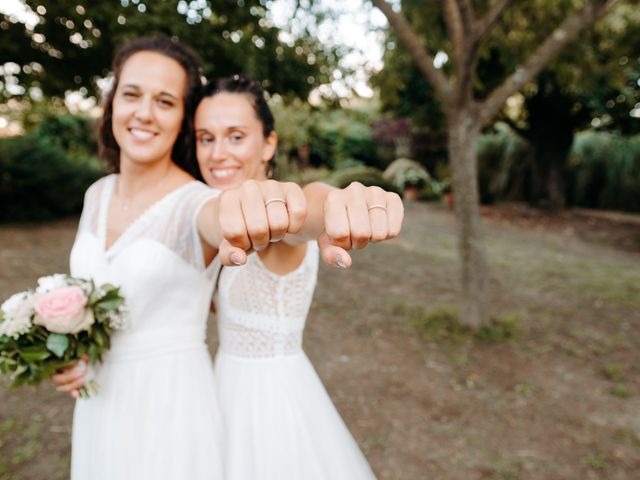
(261, 313)
(157, 262)
(174, 227)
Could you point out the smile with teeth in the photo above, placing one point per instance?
(223, 172)
(141, 134)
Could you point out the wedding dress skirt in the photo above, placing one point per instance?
(279, 421)
(156, 415)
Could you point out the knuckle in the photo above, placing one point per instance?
(259, 232)
(279, 226)
(360, 234)
(377, 191)
(378, 236)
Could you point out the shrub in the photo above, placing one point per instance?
(340, 136)
(604, 171)
(405, 173)
(503, 160)
(309, 175)
(368, 176)
(39, 180)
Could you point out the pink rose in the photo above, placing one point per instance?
(63, 310)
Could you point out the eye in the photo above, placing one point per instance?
(129, 94)
(205, 139)
(165, 103)
(236, 137)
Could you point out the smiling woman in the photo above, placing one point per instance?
(169, 92)
(153, 230)
(230, 138)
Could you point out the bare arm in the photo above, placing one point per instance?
(341, 219)
(243, 218)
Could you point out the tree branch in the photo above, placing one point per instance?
(485, 24)
(468, 16)
(561, 36)
(423, 59)
(524, 133)
(456, 30)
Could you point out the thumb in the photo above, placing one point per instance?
(231, 256)
(332, 254)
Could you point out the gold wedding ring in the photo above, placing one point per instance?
(273, 200)
(377, 205)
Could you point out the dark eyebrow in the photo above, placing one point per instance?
(136, 87)
(202, 130)
(170, 95)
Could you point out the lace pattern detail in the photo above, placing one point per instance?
(170, 221)
(246, 342)
(262, 314)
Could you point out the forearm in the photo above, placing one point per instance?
(316, 195)
(208, 223)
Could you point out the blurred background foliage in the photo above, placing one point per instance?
(579, 120)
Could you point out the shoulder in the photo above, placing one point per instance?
(96, 188)
(198, 194)
(201, 188)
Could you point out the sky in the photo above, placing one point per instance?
(354, 24)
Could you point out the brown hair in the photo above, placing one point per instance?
(254, 91)
(183, 153)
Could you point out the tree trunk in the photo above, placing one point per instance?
(462, 142)
(552, 120)
(548, 176)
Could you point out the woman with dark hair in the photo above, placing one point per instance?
(280, 424)
(153, 231)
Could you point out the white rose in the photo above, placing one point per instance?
(17, 311)
(14, 327)
(52, 282)
(18, 305)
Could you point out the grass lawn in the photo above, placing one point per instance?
(550, 391)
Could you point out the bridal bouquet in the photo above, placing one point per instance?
(52, 326)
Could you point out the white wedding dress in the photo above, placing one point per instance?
(155, 416)
(280, 423)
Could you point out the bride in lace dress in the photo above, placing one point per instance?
(280, 423)
(153, 231)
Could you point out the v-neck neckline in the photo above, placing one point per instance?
(104, 215)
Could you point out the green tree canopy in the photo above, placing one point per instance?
(598, 75)
(72, 44)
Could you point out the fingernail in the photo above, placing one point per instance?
(340, 261)
(235, 258)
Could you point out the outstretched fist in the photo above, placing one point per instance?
(257, 213)
(355, 216)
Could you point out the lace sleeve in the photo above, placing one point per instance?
(91, 207)
(190, 206)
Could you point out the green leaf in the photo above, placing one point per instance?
(34, 354)
(58, 344)
(111, 304)
(94, 353)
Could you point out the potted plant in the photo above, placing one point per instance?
(408, 176)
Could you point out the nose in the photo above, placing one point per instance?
(218, 152)
(144, 111)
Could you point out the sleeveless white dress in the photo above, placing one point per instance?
(156, 415)
(280, 423)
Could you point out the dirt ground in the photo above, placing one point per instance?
(561, 400)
